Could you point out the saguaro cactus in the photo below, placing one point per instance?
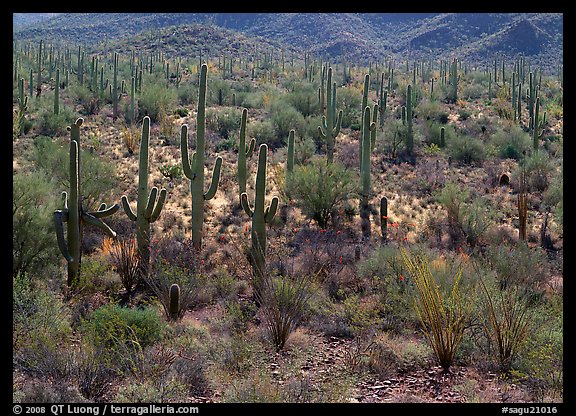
(244, 151)
(384, 218)
(22, 106)
(409, 133)
(290, 157)
(174, 305)
(74, 213)
(260, 216)
(330, 127)
(368, 126)
(194, 169)
(148, 206)
(57, 93)
(537, 124)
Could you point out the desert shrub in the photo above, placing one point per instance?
(285, 117)
(50, 124)
(321, 188)
(264, 132)
(430, 110)
(394, 136)
(304, 98)
(472, 91)
(224, 121)
(154, 98)
(477, 218)
(304, 149)
(452, 197)
(511, 143)
(538, 169)
(466, 149)
(554, 197)
(349, 100)
(389, 356)
(34, 200)
(385, 270)
(540, 361)
(187, 93)
(517, 265)
(121, 334)
(41, 324)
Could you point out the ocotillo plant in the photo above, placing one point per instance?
(74, 213)
(148, 208)
(244, 151)
(260, 217)
(194, 170)
(330, 127)
(367, 127)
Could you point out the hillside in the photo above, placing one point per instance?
(361, 36)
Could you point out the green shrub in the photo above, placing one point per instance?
(511, 143)
(264, 132)
(349, 100)
(224, 121)
(34, 200)
(98, 177)
(321, 188)
(154, 99)
(285, 117)
(386, 272)
(113, 322)
(466, 150)
(50, 124)
(41, 325)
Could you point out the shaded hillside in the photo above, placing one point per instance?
(193, 39)
(23, 19)
(361, 36)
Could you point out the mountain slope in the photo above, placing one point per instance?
(361, 36)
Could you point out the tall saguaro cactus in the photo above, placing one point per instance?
(148, 206)
(260, 217)
(368, 126)
(409, 133)
(194, 169)
(74, 214)
(244, 151)
(22, 107)
(330, 127)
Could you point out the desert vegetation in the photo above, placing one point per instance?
(283, 226)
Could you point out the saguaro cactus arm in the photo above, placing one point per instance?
(215, 180)
(246, 204)
(60, 217)
(271, 210)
